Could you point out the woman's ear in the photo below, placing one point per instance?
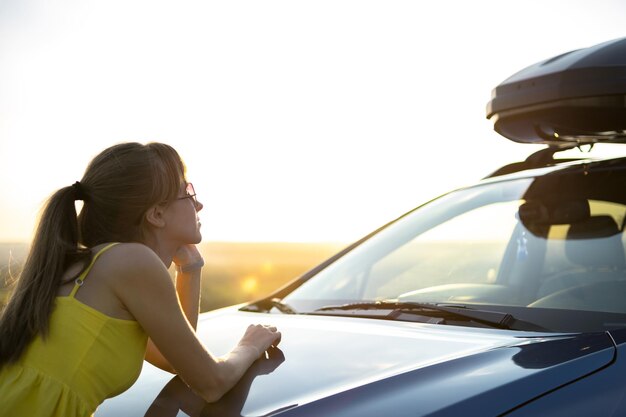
(154, 216)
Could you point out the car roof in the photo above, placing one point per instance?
(544, 161)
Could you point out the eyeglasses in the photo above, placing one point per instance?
(191, 193)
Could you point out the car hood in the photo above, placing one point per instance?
(322, 359)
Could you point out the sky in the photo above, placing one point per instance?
(298, 120)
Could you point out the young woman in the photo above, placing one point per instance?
(95, 296)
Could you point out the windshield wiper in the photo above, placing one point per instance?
(490, 318)
(282, 306)
(268, 304)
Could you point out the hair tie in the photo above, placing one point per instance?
(79, 192)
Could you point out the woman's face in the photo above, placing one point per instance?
(181, 214)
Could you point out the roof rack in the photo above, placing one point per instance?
(577, 97)
(540, 159)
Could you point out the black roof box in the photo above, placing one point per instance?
(577, 97)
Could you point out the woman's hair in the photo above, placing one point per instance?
(119, 186)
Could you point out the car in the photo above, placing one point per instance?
(503, 298)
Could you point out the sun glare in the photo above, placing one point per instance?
(267, 267)
(249, 284)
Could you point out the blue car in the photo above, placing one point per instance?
(504, 298)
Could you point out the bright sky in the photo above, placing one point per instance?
(298, 120)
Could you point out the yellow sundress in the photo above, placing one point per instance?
(86, 358)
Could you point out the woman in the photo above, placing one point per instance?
(95, 296)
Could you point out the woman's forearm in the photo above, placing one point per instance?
(232, 367)
(188, 286)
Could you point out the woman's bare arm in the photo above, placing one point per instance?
(144, 286)
(188, 286)
(188, 290)
(188, 283)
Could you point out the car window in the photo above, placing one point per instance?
(460, 238)
(556, 258)
(547, 244)
(444, 256)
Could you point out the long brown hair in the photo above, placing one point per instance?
(118, 187)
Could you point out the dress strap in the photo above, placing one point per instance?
(78, 282)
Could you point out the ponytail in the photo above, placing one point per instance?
(54, 247)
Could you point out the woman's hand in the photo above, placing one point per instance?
(187, 255)
(260, 337)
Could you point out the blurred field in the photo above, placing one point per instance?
(237, 272)
(233, 272)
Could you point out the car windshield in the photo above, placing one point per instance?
(546, 249)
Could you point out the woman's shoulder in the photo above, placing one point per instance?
(135, 247)
(121, 248)
(127, 257)
(130, 268)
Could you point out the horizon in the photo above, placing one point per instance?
(233, 272)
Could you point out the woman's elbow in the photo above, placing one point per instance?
(211, 396)
(213, 390)
(215, 381)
